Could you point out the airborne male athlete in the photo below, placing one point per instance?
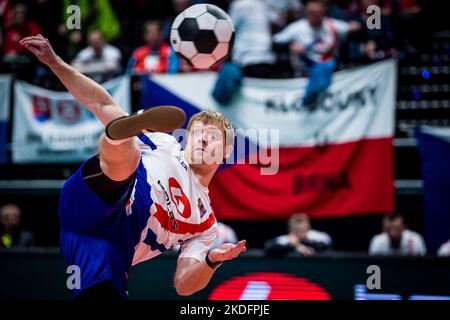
(141, 195)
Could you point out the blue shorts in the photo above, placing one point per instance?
(97, 237)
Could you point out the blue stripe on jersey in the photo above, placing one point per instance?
(140, 209)
(147, 141)
(150, 239)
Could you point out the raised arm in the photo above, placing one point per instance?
(92, 95)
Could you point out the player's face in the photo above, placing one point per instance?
(206, 144)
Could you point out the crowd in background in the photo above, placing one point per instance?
(274, 39)
(395, 238)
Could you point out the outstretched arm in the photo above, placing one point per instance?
(92, 95)
(117, 162)
(193, 275)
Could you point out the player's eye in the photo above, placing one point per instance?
(213, 135)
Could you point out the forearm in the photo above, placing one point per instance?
(92, 95)
(193, 278)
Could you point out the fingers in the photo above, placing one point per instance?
(236, 250)
(33, 39)
(38, 43)
(35, 51)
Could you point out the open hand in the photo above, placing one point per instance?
(41, 48)
(227, 251)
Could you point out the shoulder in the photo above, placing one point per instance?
(283, 239)
(444, 249)
(85, 53)
(299, 24)
(157, 140)
(141, 51)
(413, 235)
(341, 25)
(378, 238)
(112, 50)
(319, 236)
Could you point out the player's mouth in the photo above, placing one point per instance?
(199, 149)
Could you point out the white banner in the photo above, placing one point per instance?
(5, 92)
(52, 127)
(360, 103)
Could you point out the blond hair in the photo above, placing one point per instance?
(216, 118)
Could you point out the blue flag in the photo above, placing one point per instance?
(434, 149)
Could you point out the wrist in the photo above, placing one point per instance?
(211, 262)
(55, 62)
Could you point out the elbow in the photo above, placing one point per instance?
(183, 290)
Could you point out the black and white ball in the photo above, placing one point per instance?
(202, 35)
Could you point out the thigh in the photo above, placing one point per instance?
(110, 191)
(83, 211)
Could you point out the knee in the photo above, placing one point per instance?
(119, 162)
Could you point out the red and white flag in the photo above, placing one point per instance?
(329, 160)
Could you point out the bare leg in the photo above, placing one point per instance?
(118, 162)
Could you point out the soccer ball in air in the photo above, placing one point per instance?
(202, 35)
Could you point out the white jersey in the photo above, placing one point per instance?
(179, 205)
(411, 244)
(253, 38)
(444, 249)
(311, 235)
(320, 43)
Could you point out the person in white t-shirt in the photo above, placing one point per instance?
(396, 239)
(252, 48)
(444, 249)
(301, 238)
(315, 40)
(100, 61)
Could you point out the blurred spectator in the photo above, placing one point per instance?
(412, 28)
(6, 12)
(94, 15)
(252, 49)
(367, 44)
(301, 238)
(11, 233)
(315, 41)
(100, 61)
(156, 56)
(396, 239)
(17, 28)
(444, 249)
